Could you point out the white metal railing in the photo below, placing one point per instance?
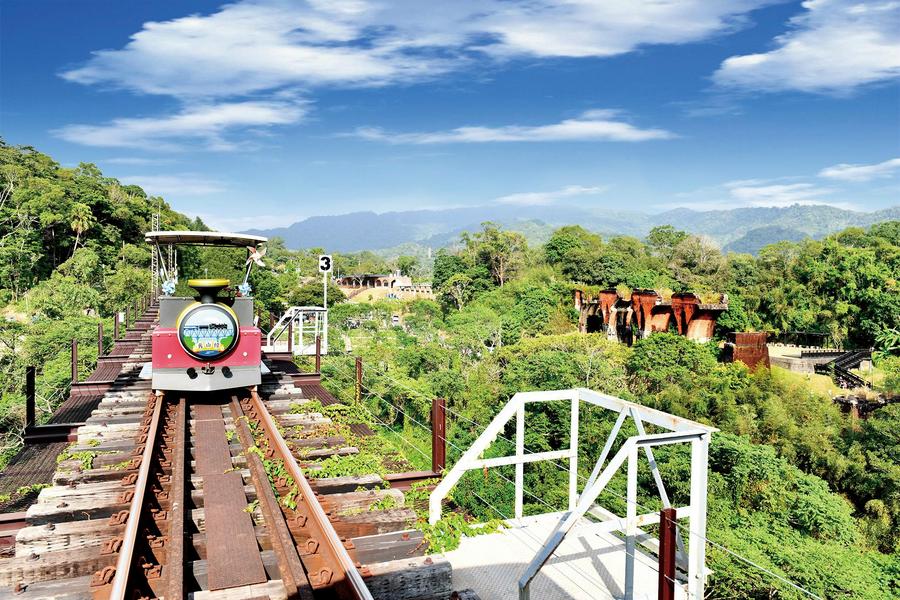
(302, 325)
(678, 430)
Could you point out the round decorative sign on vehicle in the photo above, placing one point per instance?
(207, 331)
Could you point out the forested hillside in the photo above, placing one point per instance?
(71, 254)
(795, 486)
(739, 229)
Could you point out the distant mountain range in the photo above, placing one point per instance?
(736, 230)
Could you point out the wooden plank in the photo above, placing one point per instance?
(207, 412)
(337, 485)
(410, 579)
(360, 502)
(386, 547)
(75, 588)
(374, 522)
(234, 558)
(213, 456)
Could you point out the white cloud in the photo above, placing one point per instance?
(247, 47)
(594, 125)
(258, 49)
(206, 123)
(256, 45)
(177, 185)
(754, 192)
(848, 172)
(581, 28)
(834, 46)
(545, 198)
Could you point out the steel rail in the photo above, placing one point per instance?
(175, 551)
(353, 578)
(119, 587)
(296, 583)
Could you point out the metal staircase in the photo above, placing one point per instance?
(839, 369)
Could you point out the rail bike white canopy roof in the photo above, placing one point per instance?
(203, 238)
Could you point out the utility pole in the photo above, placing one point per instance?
(318, 354)
(74, 356)
(438, 434)
(358, 380)
(29, 398)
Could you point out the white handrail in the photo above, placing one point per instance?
(678, 430)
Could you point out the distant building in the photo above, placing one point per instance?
(370, 280)
(353, 284)
(645, 312)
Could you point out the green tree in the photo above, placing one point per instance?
(502, 252)
(81, 219)
(310, 294)
(663, 239)
(457, 289)
(407, 265)
(668, 359)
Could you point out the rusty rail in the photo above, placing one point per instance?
(119, 589)
(175, 551)
(330, 544)
(10, 524)
(296, 583)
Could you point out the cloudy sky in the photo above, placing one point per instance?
(265, 111)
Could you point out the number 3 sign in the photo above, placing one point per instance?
(325, 263)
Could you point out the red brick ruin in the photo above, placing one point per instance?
(748, 348)
(647, 312)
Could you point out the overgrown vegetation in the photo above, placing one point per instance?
(793, 481)
(795, 486)
(72, 253)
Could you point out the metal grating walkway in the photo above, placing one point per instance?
(586, 566)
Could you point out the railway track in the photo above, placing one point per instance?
(204, 496)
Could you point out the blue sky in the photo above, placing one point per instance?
(261, 112)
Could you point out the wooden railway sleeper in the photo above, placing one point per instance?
(109, 581)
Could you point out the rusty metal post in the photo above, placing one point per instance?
(667, 554)
(318, 354)
(271, 322)
(127, 316)
(358, 379)
(438, 434)
(74, 360)
(99, 339)
(116, 325)
(29, 398)
(291, 335)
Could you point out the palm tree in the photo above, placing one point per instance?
(81, 220)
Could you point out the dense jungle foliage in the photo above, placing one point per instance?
(795, 485)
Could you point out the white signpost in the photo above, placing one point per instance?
(326, 264)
